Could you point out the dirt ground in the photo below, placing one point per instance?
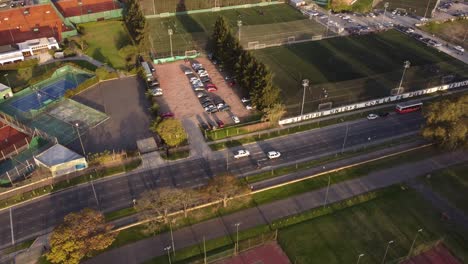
(269, 253)
(180, 99)
(437, 255)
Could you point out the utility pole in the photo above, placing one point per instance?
(386, 250)
(236, 251)
(328, 190)
(346, 136)
(168, 248)
(172, 239)
(170, 32)
(305, 84)
(427, 8)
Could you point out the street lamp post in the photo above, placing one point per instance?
(328, 189)
(239, 25)
(346, 136)
(168, 248)
(386, 250)
(6, 77)
(79, 137)
(406, 65)
(172, 239)
(414, 241)
(427, 8)
(305, 84)
(385, 11)
(236, 251)
(170, 32)
(359, 258)
(328, 23)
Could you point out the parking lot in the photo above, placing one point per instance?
(181, 99)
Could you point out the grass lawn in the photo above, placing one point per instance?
(454, 32)
(451, 183)
(417, 7)
(192, 31)
(366, 229)
(105, 39)
(354, 69)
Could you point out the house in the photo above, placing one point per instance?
(60, 160)
(10, 54)
(34, 46)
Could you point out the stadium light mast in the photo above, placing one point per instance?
(305, 84)
(427, 8)
(386, 250)
(406, 65)
(385, 11)
(79, 137)
(414, 241)
(239, 25)
(170, 32)
(359, 258)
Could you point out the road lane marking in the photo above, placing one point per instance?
(11, 227)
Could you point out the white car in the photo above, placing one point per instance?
(235, 119)
(372, 116)
(242, 153)
(202, 74)
(188, 71)
(273, 154)
(156, 92)
(459, 48)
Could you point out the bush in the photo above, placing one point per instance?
(68, 52)
(103, 74)
(19, 65)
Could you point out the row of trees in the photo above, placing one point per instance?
(447, 122)
(250, 73)
(155, 206)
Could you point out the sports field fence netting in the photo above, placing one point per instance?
(154, 7)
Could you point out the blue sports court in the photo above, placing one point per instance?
(43, 96)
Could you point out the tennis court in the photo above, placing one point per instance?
(43, 96)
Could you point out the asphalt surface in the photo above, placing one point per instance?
(146, 249)
(40, 215)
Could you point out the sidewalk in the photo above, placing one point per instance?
(149, 248)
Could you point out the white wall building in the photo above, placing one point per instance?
(34, 46)
(297, 3)
(60, 160)
(10, 54)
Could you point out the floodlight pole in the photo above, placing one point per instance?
(79, 137)
(172, 239)
(427, 8)
(359, 258)
(385, 11)
(328, 189)
(328, 23)
(6, 77)
(414, 241)
(346, 136)
(239, 25)
(406, 65)
(305, 84)
(386, 250)
(170, 32)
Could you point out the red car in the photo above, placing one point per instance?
(167, 115)
(211, 87)
(220, 123)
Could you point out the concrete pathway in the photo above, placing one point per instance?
(146, 249)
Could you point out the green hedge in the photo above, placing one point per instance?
(19, 65)
(83, 86)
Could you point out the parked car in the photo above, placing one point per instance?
(188, 71)
(220, 123)
(459, 48)
(225, 108)
(203, 74)
(372, 116)
(153, 83)
(241, 153)
(152, 69)
(235, 119)
(273, 154)
(204, 126)
(156, 91)
(201, 94)
(245, 100)
(211, 87)
(167, 115)
(205, 79)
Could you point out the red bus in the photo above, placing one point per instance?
(408, 107)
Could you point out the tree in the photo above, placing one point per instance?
(274, 113)
(222, 188)
(81, 42)
(447, 123)
(80, 235)
(155, 206)
(171, 131)
(135, 20)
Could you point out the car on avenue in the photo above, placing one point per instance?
(372, 116)
(241, 153)
(273, 154)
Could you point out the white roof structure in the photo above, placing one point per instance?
(57, 155)
(4, 87)
(38, 44)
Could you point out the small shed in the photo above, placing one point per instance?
(5, 92)
(297, 3)
(61, 160)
